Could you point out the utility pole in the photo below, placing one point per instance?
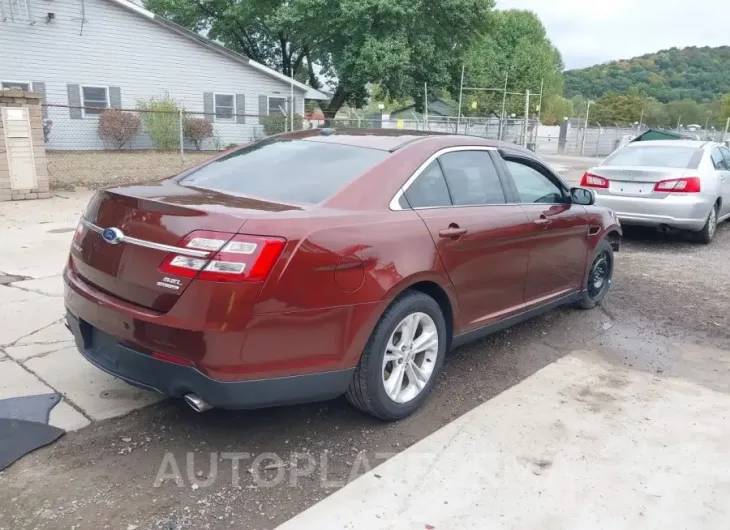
(425, 105)
(461, 91)
(585, 130)
(291, 100)
(641, 120)
(727, 127)
(527, 117)
(539, 111)
(679, 122)
(504, 105)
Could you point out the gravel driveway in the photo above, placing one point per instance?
(667, 314)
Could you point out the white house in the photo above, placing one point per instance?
(86, 55)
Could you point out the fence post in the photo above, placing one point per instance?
(182, 148)
(585, 130)
(527, 116)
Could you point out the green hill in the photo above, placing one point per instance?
(693, 73)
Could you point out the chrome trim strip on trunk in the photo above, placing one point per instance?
(150, 244)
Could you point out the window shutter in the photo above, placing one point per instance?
(209, 106)
(115, 97)
(263, 107)
(40, 87)
(240, 108)
(74, 100)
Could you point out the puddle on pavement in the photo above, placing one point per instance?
(640, 348)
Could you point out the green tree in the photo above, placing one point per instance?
(685, 112)
(614, 108)
(724, 111)
(161, 121)
(342, 45)
(699, 74)
(556, 109)
(515, 46)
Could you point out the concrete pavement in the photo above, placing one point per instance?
(37, 353)
(580, 444)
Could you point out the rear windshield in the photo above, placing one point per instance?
(288, 171)
(656, 156)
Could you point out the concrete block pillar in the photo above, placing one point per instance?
(23, 166)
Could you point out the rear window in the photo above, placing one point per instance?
(288, 171)
(656, 156)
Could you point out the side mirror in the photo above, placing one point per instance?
(582, 196)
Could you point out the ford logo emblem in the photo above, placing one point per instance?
(112, 235)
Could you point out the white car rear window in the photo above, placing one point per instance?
(656, 156)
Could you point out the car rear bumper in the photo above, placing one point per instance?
(142, 370)
(686, 212)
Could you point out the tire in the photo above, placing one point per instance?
(367, 390)
(590, 296)
(707, 234)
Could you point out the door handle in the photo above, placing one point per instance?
(453, 231)
(542, 221)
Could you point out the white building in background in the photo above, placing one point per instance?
(112, 53)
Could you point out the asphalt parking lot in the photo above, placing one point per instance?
(666, 317)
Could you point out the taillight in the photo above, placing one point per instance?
(81, 231)
(683, 185)
(232, 257)
(590, 180)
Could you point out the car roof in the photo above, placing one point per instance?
(672, 143)
(394, 139)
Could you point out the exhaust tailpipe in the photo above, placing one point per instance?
(197, 404)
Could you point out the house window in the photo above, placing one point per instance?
(277, 106)
(94, 99)
(19, 10)
(16, 84)
(225, 107)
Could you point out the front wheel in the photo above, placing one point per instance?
(599, 278)
(398, 368)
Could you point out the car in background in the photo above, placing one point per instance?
(319, 263)
(677, 184)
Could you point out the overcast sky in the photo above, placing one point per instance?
(592, 31)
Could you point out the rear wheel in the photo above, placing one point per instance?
(707, 234)
(600, 276)
(402, 358)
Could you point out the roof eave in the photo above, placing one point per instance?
(309, 92)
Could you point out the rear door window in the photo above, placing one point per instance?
(472, 178)
(287, 171)
(429, 190)
(726, 154)
(718, 160)
(656, 156)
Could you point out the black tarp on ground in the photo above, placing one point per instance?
(24, 426)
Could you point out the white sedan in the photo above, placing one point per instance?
(678, 184)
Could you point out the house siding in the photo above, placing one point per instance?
(115, 47)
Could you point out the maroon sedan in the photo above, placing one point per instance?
(321, 263)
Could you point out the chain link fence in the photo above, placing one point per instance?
(93, 147)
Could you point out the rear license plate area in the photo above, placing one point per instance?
(632, 188)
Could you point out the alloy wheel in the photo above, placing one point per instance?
(410, 357)
(712, 222)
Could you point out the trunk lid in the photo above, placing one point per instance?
(161, 215)
(635, 181)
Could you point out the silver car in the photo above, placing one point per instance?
(681, 184)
